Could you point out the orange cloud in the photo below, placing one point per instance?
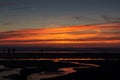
(87, 35)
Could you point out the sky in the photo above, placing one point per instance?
(79, 23)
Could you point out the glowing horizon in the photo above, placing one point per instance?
(86, 35)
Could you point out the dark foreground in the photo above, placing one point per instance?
(49, 70)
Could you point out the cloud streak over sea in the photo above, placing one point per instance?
(92, 35)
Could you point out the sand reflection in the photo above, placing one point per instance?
(61, 71)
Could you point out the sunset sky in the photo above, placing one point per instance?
(63, 23)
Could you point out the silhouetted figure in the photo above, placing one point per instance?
(13, 50)
(4, 50)
(42, 51)
(8, 50)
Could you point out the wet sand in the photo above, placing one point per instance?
(67, 70)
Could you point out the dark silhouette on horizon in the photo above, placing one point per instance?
(9, 50)
(13, 50)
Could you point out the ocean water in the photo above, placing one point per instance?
(59, 70)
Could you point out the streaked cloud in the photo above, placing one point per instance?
(6, 3)
(81, 18)
(92, 35)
